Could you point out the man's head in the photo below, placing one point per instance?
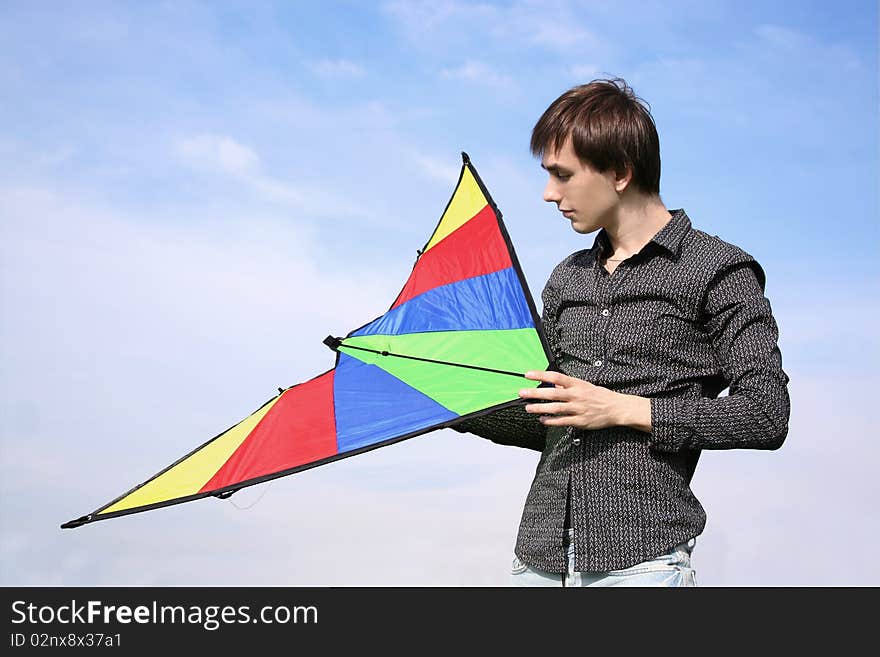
(598, 142)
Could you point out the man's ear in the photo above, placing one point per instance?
(623, 178)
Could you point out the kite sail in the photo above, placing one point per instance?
(453, 346)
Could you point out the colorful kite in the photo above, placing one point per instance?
(453, 346)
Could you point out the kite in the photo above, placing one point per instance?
(453, 346)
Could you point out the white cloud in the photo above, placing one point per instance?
(478, 72)
(781, 36)
(795, 43)
(337, 68)
(419, 17)
(126, 341)
(802, 325)
(771, 81)
(585, 72)
(57, 156)
(436, 169)
(222, 152)
(773, 516)
(225, 155)
(558, 34)
(553, 26)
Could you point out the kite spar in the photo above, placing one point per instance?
(453, 346)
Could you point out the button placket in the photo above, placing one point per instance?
(603, 298)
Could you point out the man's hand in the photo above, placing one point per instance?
(577, 403)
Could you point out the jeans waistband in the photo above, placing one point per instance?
(687, 546)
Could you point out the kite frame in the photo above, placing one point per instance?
(227, 491)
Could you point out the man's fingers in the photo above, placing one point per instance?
(551, 377)
(558, 420)
(550, 409)
(553, 394)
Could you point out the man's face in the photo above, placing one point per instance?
(587, 198)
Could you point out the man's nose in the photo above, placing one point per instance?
(551, 195)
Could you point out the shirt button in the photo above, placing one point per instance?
(605, 312)
(597, 363)
(576, 441)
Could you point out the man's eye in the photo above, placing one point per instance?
(563, 177)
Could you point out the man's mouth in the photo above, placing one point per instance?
(566, 213)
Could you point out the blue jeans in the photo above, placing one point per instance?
(671, 569)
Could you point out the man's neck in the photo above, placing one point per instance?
(638, 219)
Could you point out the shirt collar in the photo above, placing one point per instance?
(669, 237)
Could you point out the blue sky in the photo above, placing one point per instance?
(193, 195)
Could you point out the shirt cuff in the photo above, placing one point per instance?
(667, 432)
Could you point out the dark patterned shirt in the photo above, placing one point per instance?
(678, 322)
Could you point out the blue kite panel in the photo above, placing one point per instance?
(372, 406)
(487, 302)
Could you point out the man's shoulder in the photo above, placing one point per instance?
(578, 258)
(711, 248)
(716, 254)
(563, 270)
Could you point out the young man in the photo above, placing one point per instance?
(648, 326)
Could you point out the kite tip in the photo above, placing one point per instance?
(333, 343)
(76, 523)
(465, 158)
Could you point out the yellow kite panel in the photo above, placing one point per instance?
(467, 201)
(188, 476)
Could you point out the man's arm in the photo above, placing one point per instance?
(509, 426)
(744, 335)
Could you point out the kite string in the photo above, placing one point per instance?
(245, 508)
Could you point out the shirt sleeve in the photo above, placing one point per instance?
(755, 414)
(508, 426)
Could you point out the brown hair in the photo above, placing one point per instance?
(610, 128)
